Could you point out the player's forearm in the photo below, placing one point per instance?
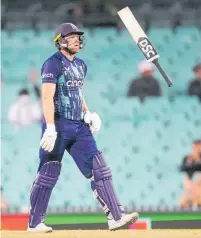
(48, 91)
(84, 106)
(48, 109)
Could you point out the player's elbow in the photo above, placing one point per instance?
(47, 101)
(46, 97)
(48, 91)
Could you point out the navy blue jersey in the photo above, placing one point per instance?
(69, 78)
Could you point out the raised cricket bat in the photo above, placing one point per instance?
(141, 40)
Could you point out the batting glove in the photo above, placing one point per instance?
(94, 121)
(49, 137)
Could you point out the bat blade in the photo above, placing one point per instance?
(131, 24)
(141, 39)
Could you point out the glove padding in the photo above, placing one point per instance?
(94, 121)
(49, 137)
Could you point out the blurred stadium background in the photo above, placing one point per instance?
(144, 142)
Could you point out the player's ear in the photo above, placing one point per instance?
(62, 42)
(57, 45)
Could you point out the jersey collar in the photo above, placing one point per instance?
(71, 61)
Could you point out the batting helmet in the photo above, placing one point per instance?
(64, 30)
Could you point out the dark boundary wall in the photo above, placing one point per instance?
(155, 225)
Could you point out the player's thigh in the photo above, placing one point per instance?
(56, 154)
(83, 151)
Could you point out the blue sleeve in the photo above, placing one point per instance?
(50, 71)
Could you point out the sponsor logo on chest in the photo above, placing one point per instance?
(73, 76)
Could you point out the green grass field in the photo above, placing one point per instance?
(100, 218)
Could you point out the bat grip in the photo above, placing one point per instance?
(168, 81)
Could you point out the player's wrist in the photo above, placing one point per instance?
(85, 110)
(86, 113)
(87, 117)
(50, 127)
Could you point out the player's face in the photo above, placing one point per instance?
(73, 43)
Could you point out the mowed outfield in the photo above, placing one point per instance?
(106, 234)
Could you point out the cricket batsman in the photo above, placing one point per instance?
(68, 125)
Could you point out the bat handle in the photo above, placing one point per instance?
(168, 81)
